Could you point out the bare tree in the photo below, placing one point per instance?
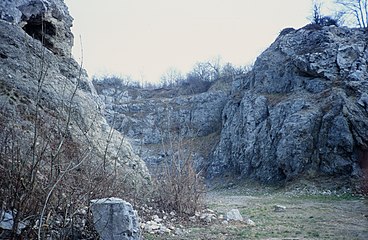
(319, 18)
(357, 9)
(229, 71)
(316, 15)
(202, 71)
(171, 77)
(215, 65)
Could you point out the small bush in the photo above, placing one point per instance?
(328, 21)
(179, 187)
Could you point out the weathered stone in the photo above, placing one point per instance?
(157, 226)
(179, 231)
(156, 219)
(7, 221)
(301, 109)
(250, 222)
(234, 215)
(65, 88)
(46, 20)
(153, 117)
(115, 219)
(279, 208)
(192, 219)
(207, 217)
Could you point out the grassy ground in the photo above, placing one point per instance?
(307, 216)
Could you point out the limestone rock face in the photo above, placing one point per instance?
(46, 20)
(155, 118)
(115, 219)
(302, 109)
(48, 84)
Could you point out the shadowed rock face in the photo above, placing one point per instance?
(48, 21)
(302, 109)
(47, 81)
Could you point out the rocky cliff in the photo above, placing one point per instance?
(303, 109)
(47, 96)
(156, 119)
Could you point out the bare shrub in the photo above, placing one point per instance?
(319, 19)
(48, 177)
(178, 185)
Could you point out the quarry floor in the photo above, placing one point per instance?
(309, 214)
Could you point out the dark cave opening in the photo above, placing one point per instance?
(363, 158)
(41, 30)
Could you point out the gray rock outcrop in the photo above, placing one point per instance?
(301, 110)
(115, 219)
(49, 84)
(46, 20)
(155, 119)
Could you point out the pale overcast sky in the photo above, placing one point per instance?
(144, 38)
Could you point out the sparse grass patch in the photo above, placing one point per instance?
(328, 197)
(315, 216)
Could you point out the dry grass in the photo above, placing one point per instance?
(317, 216)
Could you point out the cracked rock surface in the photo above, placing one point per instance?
(301, 110)
(35, 76)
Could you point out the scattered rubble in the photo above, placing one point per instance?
(170, 223)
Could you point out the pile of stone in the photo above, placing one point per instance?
(170, 224)
(209, 216)
(115, 219)
(158, 226)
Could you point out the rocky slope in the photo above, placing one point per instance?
(40, 84)
(303, 109)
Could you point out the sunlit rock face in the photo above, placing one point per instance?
(41, 84)
(46, 20)
(301, 110)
